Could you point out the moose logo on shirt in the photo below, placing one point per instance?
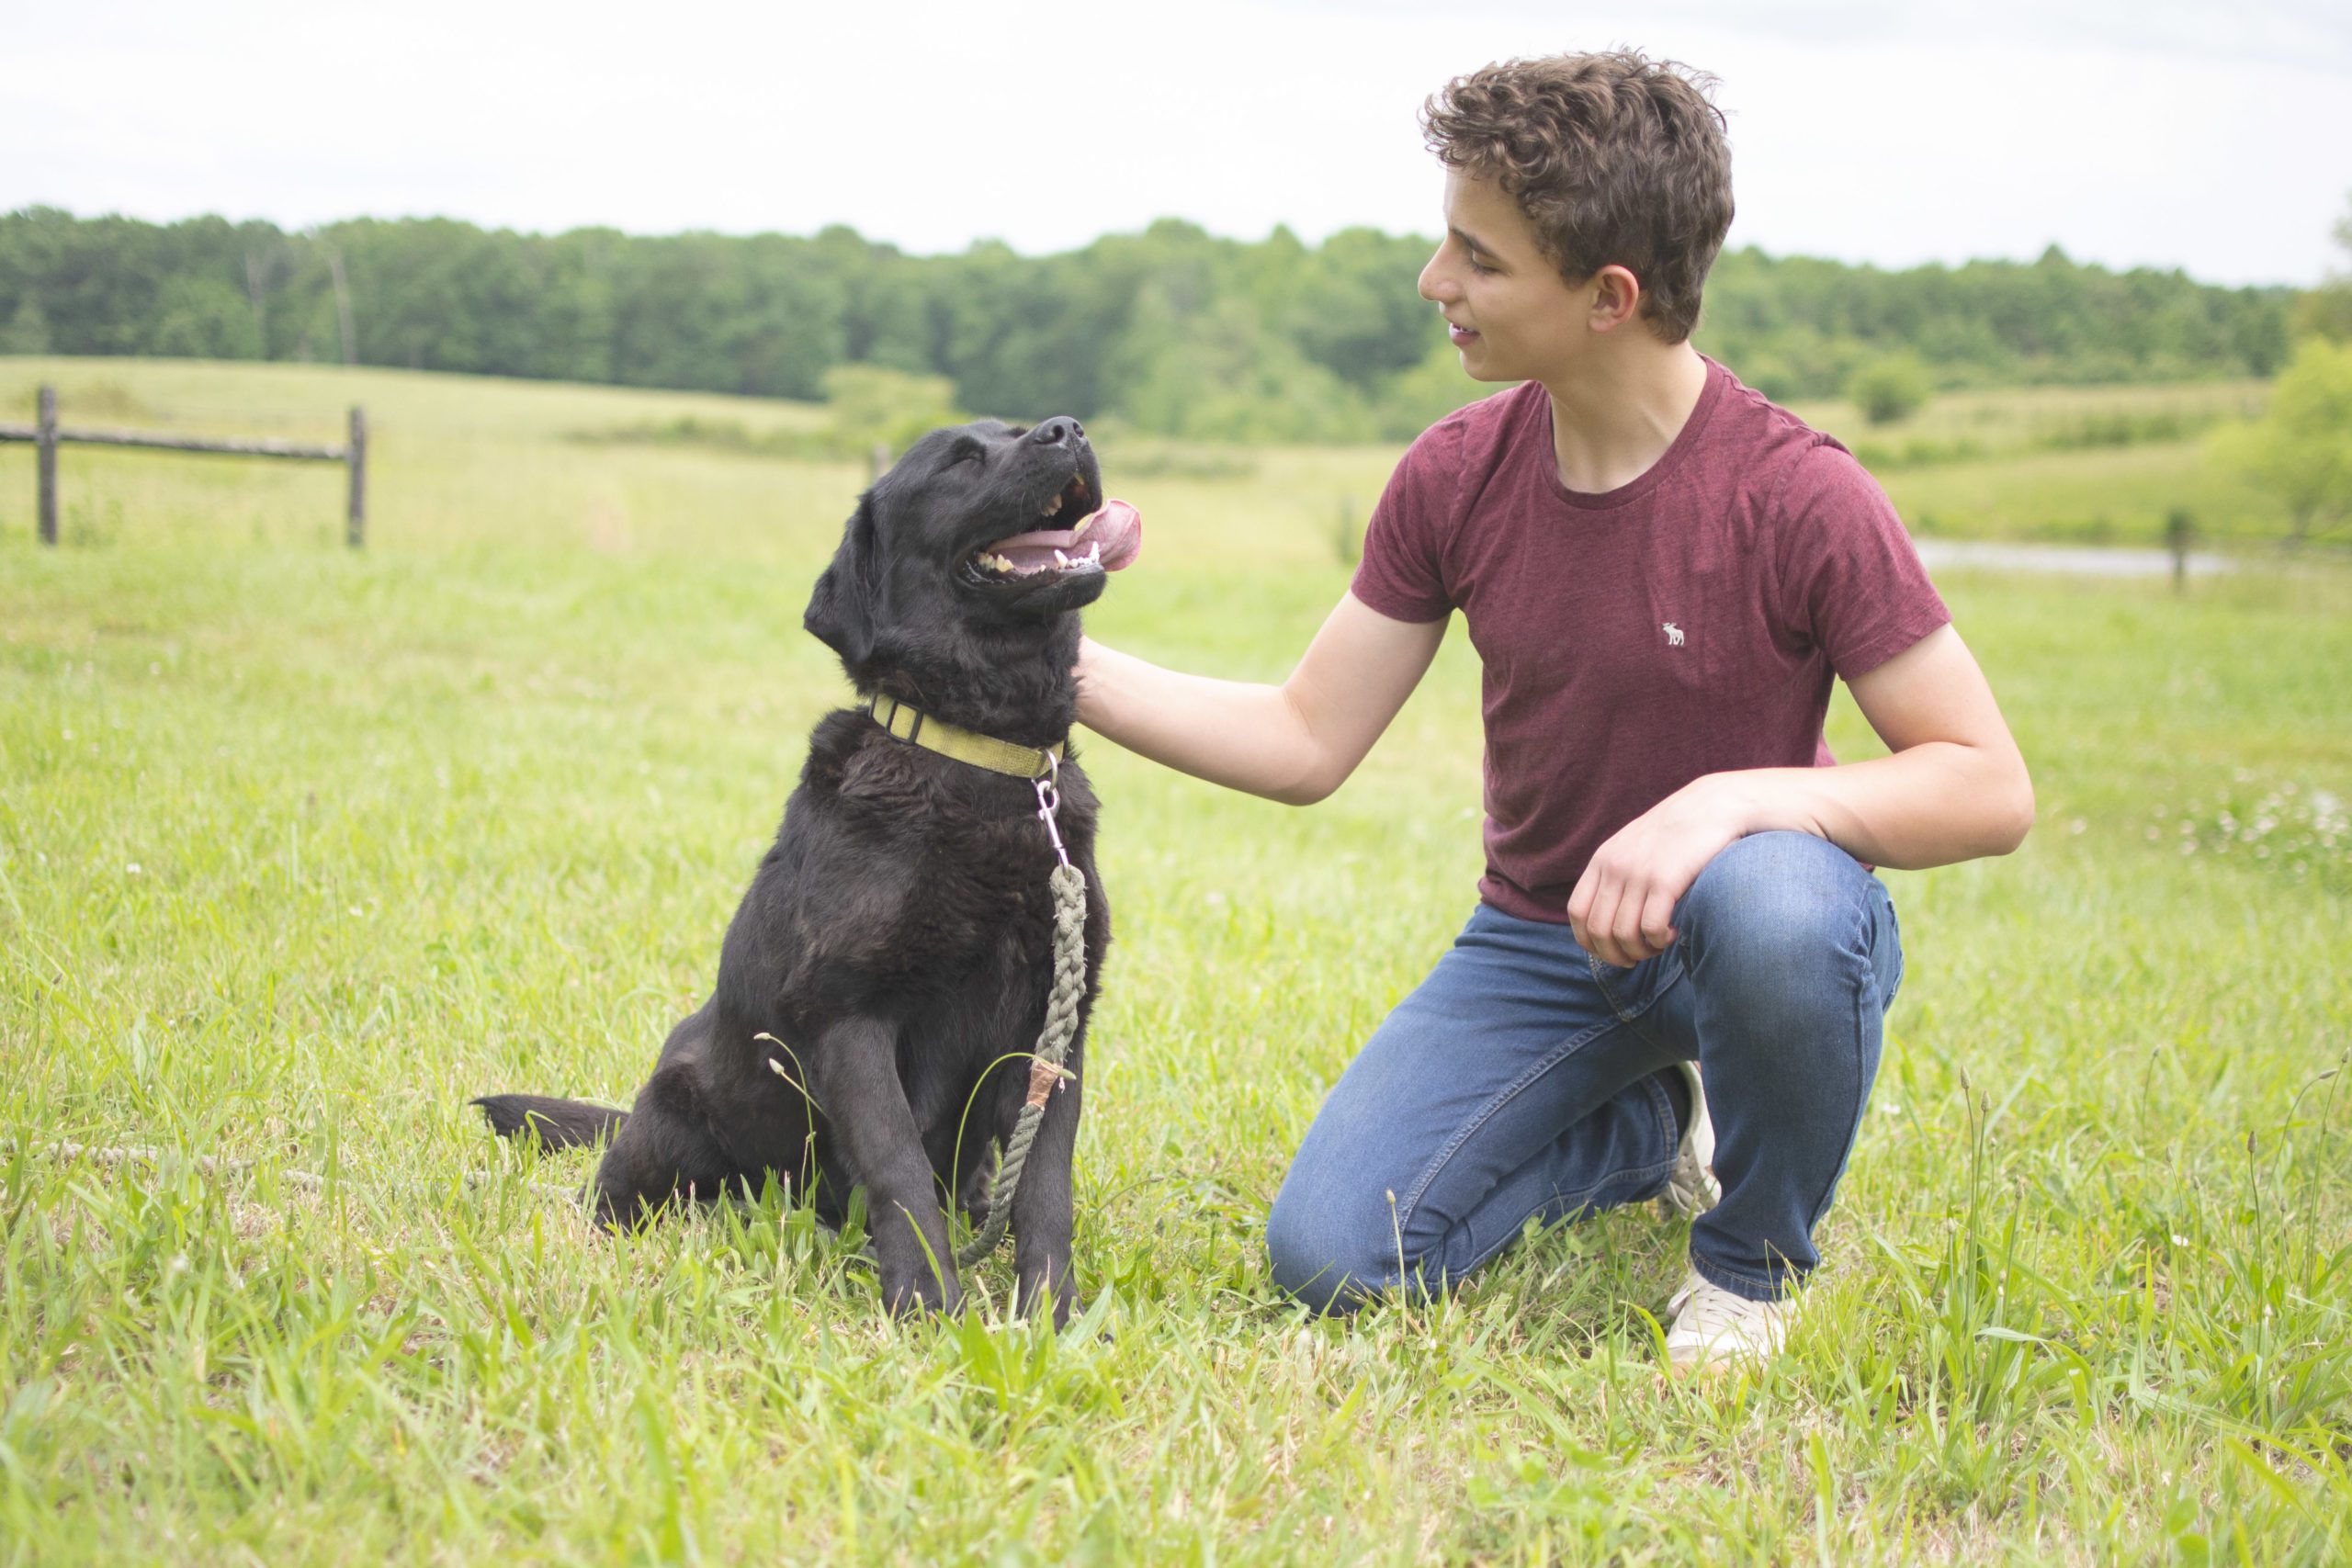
(1673, 634)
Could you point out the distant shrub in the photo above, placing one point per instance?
(27, 330)
(873, 406)
(2327, 311)
(1891, 388)
(2301, 450)
(1920, 452)
(689, 430)
(2125, 429)
(728, 435)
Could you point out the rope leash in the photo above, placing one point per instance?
(1046, 1070)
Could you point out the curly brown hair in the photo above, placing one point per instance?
(1614, 157)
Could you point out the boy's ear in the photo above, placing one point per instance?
(841, 611)
(1617, 296)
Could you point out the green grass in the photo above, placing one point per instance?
(2099, 465)
(2012, 420)
(300, 849)
(461, 461)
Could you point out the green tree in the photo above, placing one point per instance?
(1891, 388)
(204, 318)
(27, 329)
(2327, 310)
(1411, 401)
(874, 405)
(1219, 374)
(2301, 449)
(1358, 310)
(1178, 330)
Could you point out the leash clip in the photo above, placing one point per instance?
(1049, 801)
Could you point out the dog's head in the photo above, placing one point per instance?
(979, 527)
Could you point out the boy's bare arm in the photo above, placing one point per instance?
(1295, 742)
(1954, 788)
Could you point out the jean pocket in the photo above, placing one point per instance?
(1628, 994)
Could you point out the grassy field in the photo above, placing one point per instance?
(300, 849)
(483, 463)
(2101, 466)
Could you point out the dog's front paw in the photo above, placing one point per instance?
(1065, 1300)
(920, 1293)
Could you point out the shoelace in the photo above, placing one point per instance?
(1687, 1185)
(1707, 1311)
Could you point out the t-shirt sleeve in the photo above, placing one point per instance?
(1850, 573)
(1402, 574)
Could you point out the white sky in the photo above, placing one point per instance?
(2213, 137)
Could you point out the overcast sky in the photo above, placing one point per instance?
(2207, 137)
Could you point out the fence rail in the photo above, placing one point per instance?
(48, 436)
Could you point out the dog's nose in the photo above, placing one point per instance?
(1056, 430)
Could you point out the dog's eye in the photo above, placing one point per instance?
(969, 452)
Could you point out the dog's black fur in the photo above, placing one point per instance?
(895, 947)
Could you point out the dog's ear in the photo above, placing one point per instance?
(841, 611)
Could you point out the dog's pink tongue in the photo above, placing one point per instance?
(1115, 533)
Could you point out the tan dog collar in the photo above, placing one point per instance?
(964, 745)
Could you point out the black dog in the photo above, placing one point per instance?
(893, 955)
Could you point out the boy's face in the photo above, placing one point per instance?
(1509, 312)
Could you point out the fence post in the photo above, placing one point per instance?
(2180, 532)
(46, 436)
(356, 522)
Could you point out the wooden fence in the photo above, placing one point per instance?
(48, 436)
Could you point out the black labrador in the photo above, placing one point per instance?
(894, 953)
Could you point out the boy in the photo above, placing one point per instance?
(1662, 572)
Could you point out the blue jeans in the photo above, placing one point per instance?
(1525, 1079)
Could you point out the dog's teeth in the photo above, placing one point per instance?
(1061, 559)
(1052, 506)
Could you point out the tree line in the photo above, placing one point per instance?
(1172, 329)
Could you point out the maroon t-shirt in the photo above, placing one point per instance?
(1688, 622)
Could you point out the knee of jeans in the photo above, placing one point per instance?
(1771, 903)
(1321, 1249)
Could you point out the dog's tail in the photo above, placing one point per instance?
(559, 1123)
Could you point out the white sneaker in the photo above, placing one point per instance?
(1714, 1330)
(1691, 1187)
